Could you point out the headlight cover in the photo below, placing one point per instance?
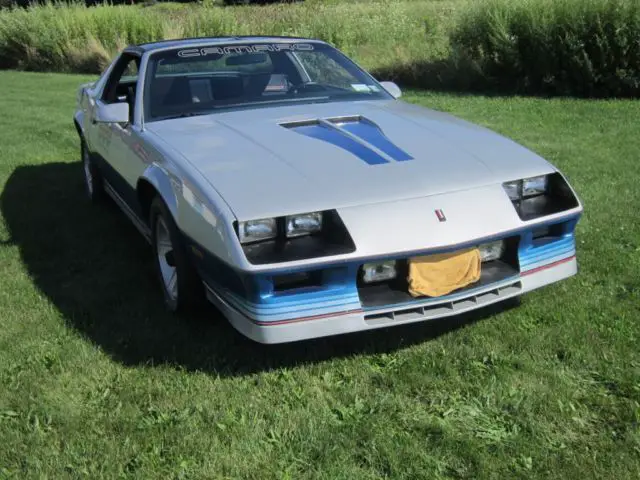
(257, 230)
(305, 224)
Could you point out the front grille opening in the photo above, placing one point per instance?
(294, 281)
(444, 307)
(397, 290)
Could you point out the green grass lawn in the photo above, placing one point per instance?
(97, 381)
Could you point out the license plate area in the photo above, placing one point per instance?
(438, 275)
(397, 291)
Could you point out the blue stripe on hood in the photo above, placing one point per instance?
(372, 134)
(339, 139)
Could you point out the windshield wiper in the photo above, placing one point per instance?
(182, 115)
(279, 100)
(245, 104)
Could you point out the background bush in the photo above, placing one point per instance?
(256, 2)
(76, 38)
(568, 47)
(578, 47)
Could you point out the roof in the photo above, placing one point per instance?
(203, 41)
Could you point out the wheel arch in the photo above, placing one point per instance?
(78, 129)
(156, 182)
(77, 122)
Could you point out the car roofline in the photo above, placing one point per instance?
(144, 49)
(161, 45)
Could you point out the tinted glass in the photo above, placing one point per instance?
(193, 81)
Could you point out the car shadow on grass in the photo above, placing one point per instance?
(96, 269)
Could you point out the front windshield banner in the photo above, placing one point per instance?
(275, 47)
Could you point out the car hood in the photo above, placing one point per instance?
(275, 161)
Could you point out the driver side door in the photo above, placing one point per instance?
(118, 142)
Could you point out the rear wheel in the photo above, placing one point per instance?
(93, 183)
(181, 284)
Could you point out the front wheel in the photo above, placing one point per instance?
(181, 284)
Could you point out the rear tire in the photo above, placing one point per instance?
(93, 182)
(181, 285)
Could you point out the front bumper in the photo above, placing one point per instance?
(335, 302)
(360, 320)
(346, 309)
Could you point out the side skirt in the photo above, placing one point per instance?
(135, 219)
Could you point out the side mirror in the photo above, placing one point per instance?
(392, 88)
(112, 113)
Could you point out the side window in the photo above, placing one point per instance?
(121, 85)
(131, 71)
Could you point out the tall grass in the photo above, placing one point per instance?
(578, 47)
(575, 47)
(80, 39)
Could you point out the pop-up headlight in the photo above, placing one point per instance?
(305, 224)
(294, 237)
(539, 196)
(257, 230)
(534, 186)
(525, 188)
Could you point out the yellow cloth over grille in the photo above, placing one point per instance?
(440, 274)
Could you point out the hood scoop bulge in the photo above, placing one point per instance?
(357, 135)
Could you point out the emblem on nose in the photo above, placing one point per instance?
(440, 215)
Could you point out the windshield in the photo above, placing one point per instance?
(192, 81)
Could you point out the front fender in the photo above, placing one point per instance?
(78, 119)
(202, 223)
(164, 183)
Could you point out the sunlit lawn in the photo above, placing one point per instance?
(97, 381)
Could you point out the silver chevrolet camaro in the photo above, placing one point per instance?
(277, 179)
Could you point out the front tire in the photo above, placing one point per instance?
(93, 183)
(181, 285)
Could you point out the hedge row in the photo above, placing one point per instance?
(75, 38)
(569, 47)
(27, 3)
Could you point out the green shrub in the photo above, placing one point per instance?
(569, 47)
(255, 2)
(71, 38)
(75, 38)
